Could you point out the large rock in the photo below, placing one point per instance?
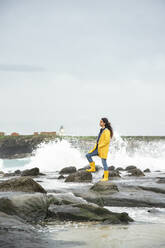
(136, 172)
(119, 169)
(147, 170)
(15, 232)
(79, 176)
(68, 170)
(130, 167)
(105, 187)
(24, 184)
(87, 212)
(161, 180)
(30, 207)
(31, 172)
(114, 173)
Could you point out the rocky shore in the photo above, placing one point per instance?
(25, 205)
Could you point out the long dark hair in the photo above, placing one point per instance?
(108, 125)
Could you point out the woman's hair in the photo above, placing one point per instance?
(108, 125)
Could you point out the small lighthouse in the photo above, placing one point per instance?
(61, 131)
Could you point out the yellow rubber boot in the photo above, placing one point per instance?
(106, 174)
(93, 168)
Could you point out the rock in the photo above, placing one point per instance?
(87, 212)
(153, 189)
(105, 187)
(24, 184)
(161, 180)
(147, 170)
(79, 176)
(136, 172)
(29, 207)
(61, 177)
(114, 173)
(98, 167)
(68, 170)
(10, 174)
(1, 173)
(111, 168)
(119, 169)
(17, 172)
(127, 197)
(31, 172)
(130, 167)
(64, 199)
(15, 232)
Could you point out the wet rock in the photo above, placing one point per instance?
(105, 187)
(68, 170)
(1, 173)
(111, 168)
(24, 184)
(147, 170)
(29, 207)
(15, 233)
(161, 180)
(61, 177)
(136, 172)
(31, 172)
(64, 199)
(130, 167)
(87, 212)
(17, 172)
(114, 173)
(153, 189)
(79, 176)
(119, 169)
(10, 174)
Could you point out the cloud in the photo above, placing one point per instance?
(21, 68)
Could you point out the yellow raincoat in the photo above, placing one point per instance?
(103, 144)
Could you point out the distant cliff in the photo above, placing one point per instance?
(22, 145)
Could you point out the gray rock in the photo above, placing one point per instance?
(24, 184)
(30, 207)
(17, 172)
(111, 168)
(87, 212)
(68, 170)
(161, 180)
(114, 173)
(119, 169)
(136, 172)
(31, 172)
(130, 167)
(61, 177)
(147, 170)
(105, 187)
(15, 232)
(79, 176)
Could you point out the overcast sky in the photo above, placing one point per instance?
(71, 62)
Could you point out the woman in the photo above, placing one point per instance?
(101, 147)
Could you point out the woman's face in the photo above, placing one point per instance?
(102, 124)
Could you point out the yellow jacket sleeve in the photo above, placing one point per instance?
(106, 139)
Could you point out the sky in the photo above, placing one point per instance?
(72, 62)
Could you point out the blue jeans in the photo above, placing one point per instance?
(95, 153)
